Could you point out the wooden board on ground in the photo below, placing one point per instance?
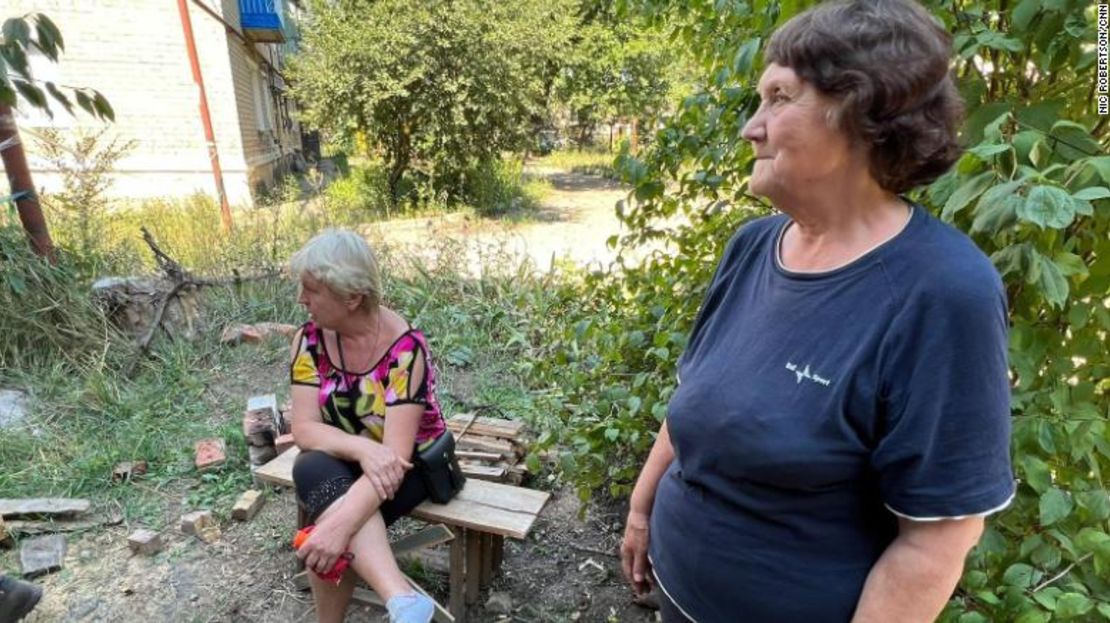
(486, 444)
(42, 506)
(488, 426)
(481, 505)
(492, 473)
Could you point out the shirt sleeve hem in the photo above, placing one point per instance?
(305, 383)
(984, 513)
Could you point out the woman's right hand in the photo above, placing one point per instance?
(634, 552)
(384, 469)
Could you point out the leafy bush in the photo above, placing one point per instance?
(45, 310)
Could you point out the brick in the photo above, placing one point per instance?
(283, 443)
(210, 453)
(145, 542)
(42, 555)
(127, 470)
(202, 525)
(248, 505)
(258, 428)
(241, 334)
(260, 455)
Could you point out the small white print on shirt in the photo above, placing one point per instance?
(805, 373)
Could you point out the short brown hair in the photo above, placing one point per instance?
(887, 63)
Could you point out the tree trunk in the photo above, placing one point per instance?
(22, 186)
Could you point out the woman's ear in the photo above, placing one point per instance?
(354, 301)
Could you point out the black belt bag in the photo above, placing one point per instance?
(440, 469)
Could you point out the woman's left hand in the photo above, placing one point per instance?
(328, 541)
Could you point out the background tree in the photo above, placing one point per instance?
(614, 69)
(19, 36)
(439, 88)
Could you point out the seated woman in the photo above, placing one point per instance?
(363, 390)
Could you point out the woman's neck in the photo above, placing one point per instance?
(362, 327)
(832, 228)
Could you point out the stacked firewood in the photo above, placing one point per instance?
(489, 448)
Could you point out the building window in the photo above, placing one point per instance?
(263, 106)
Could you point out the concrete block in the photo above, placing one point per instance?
(145, 542)
(202, 525)
(42, 555)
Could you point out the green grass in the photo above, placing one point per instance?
(588, 162)
(94, 406)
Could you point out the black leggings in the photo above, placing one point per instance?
(321, 479)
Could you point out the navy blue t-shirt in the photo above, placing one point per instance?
(812, 407)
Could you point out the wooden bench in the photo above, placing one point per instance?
(479, 517)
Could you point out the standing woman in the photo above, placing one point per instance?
(364, 402)
(841, 424)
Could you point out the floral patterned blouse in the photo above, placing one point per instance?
(356, 402)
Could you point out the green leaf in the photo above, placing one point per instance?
(1037, 474)
(1101, 164)
(966, 193)
(102, 107)
(1052, 281)
(1024, 14)
(745, 57)
(1096, 503)
(985, 151)
(612, 434)
(32, 94)
(1092, 193)
(60, 97)
(1071, 605)
(1048, 206)
(1070, 264)
(16, 30)
(1020, 575)
(1047, 597)
(1090, 540)
(1033, 616)
(45, 25)
(972, 617)
(1054, 506)
(1104, 610)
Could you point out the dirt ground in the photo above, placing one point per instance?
(573, 224)
(567, 570)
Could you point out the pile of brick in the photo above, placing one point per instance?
(266, 429)
(489, 448)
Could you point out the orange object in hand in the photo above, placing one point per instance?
(335, 574)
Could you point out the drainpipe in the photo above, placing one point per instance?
(205, 117)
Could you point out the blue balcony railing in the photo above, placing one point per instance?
(261, 20)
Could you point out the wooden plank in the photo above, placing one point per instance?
(42, 506)
(280, 470)
(473, 566)
(483, 472)
(457, 603)
(441, 614)
(486, 571)
(481, 505)
(486, 444)
(498, 553)
(492, 427)
(30, 528)
(474, 455)
(428, 537)
(507, 497)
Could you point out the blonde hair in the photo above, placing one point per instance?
(342, 261)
